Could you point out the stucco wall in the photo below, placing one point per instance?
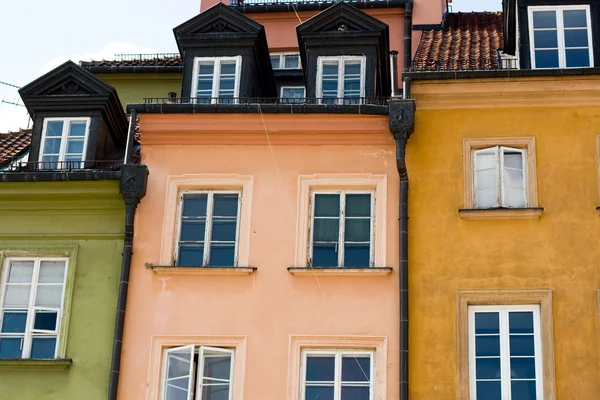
(559, 251)
(90, 216)
(133, 88)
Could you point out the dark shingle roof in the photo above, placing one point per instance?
(171, 60)
(467, 41)
(13, 145)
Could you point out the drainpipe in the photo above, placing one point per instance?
(401, 121)
(407, 34)
(394, 67)
(132, 186)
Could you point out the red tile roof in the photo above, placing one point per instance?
(467, 41)
(159, 60)
(13, 145)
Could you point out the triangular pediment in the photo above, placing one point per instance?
(341, 17)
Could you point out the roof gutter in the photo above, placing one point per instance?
(134, 179)
(401, 121)
(407, 34)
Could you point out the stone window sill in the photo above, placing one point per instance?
(19, 364)
(179, 270)
(500, 213)
(336, 271)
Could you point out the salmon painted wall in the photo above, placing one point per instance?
(270, 305)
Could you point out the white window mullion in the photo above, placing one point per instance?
(562, 52)
(342, 229)
(27, 340)
(372, 233)
(537, 340)
(63, 142)
(337, 392)
(208, 227)
(341, 80)
(505, 355)
(237, 231)
(500, 176)
(216, 80)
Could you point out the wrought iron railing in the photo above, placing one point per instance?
(145, 57)
(268, 100)
(240, 3)
(29, 166)
(464, 64)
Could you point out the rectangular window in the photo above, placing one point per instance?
(340, 80)
(292, 93)
(32, 300)
(337, 375)
(505, 353)
(64, 142)
(208, 228)
(341, 229)
(499, 177)
(285, 60)
(216, 79)
(210, 367)
(561, 37)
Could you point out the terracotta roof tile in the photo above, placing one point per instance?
(159, 60)
(467, 41)
(13, 145)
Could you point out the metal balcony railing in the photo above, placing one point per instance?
(240, 3)
(145, 57)
(268, 100)
(464, 64)
(31, 166)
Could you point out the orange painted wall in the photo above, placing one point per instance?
(271, 304)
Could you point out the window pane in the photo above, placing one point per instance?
(352, 84)
(52, 272)
(228, 68)
(577, 58)
(513, 178)
(292, 93)
(205, 85)
(325, 255)
(326, 230)
(486, 161)
(487, 323)
(514, 198)
(523, 390)
(14, 321)
(215, 392)
(576, 38)
(327, 205)
(319, 393)
(330, 87)
(487, 198)
(225, 205)
(545, 39)
(177, 389)
(20, 272)
(357, 255)
(275, 61)
(522, 368)
(355, 392)
(206, 68)
(49, 296)
(10, 348)
(191, 256)
(320, 369)
(194, 204)
(520, 321)
(487, 368)
(358, 205)
(75, 146)
(522, 345)
(356, 369)
(217, 365)
(192, 230)
(178, 365)
(77, 128)
(358, 230)
(222, 255)
(546, 58)
(45, 320)
(513, 159)
(227, 84)
(487, 179)
(54, 128)
(544, 19)
(487, 346)
(574, 18)
(52, 146)
(17, 296)
(292, 61)
(43, 347)
(489, 391)
(330, 68)
(224, 230)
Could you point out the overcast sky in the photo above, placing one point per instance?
(38, 35)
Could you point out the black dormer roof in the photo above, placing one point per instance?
(345, 30)
(222, 31)
(70, 89)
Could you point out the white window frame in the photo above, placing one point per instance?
(195, 388)
(562, 61)
(342, 225)
(292, 87)
(64, 139)
(208, 228)
(216, 76)
(340, 86)
(337, 391)
(32, 308)
(499, 154)
(282, 59)
(505, 376)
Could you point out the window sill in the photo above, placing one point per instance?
(336, 271)
(20, 364)
(500, 213)
(178, 270)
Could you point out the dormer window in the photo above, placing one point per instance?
(285, 60)
(561, 37)
(216, 78)
(64, 142)
(341, 80)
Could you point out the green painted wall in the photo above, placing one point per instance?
(88, 216)
(133, 88)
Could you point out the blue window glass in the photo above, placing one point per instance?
(546, 59)
(489, 390)
(320, 369)
(43, 347)
(10, 347)
(356, 369)
(14, 321)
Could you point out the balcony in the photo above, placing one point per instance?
(70, 166)
(500, 63)
(255, 6)
(378, 101)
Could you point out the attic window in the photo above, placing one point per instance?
(341, 80)
(216, 79)
(64, 142)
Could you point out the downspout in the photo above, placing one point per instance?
(407, 34)
(401, 120)
(132, 186)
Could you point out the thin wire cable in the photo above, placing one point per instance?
(10, 84)
(296, 12)
(268, 139)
